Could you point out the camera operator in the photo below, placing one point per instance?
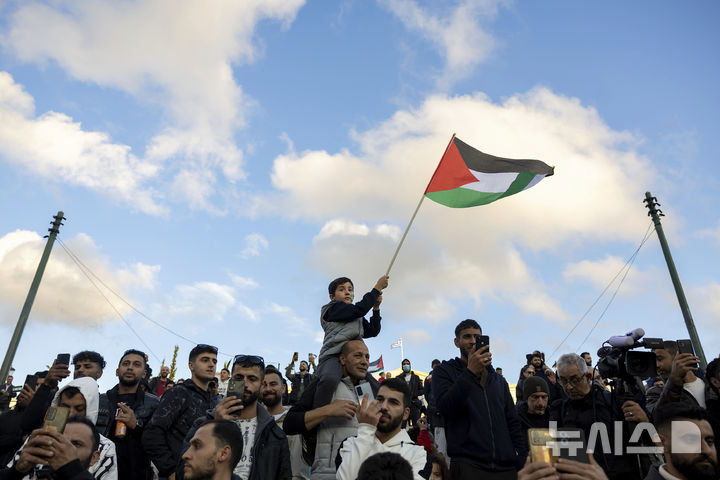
(586, 404)
(68, 455)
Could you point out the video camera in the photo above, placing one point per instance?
(620, 361)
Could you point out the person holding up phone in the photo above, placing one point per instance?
(681, 384)
(483, 431)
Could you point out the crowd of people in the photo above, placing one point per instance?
(337, 421)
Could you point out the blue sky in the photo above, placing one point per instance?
(219, 168)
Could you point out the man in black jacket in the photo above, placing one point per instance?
(127, 403)
(177, 411)
(265, 453)
(299, 381)
(416, 390)
(483, 431)
(533, 411)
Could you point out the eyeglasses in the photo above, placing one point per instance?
(243, 359)
(574, 381)
(205, 346)
(529, 372)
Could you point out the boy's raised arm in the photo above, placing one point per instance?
(345, 312)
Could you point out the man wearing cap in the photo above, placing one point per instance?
(533, 410)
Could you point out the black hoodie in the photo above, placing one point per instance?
(481, 424)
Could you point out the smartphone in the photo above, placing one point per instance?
(31, 381)
(236, 388)
(362, 389)
(685, 346)
(62, 359)
(541, 441)
(481, 341)
(56, 418)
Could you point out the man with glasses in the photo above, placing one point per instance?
(265, 453)
(178, 410)
(589, 404)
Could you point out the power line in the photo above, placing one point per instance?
(77, 260)
(72, 257)
(592, 305)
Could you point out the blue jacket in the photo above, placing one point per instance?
(481, 424)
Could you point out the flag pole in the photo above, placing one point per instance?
(402, 240)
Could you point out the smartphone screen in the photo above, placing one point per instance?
(31, 381)
(481, 341)
(62, 359)
(56, 418)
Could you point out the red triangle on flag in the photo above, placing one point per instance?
(451, 172)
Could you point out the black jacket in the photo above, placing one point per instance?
(133, 462)
(270, 453)
(70, 471)
(174, 417)
(481, 424)
(415, 384)
(528, 420)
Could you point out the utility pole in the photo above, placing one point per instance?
(25, 313)
(651, 203)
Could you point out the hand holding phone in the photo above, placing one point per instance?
(63, 359)
(55, 418)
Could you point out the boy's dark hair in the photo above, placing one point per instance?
(227, 432)
(465, 324)
(132, 351)
(336, 283)
(439, 458)
(91, 426)
(385, 466)
(712, 369)
(666, 413)
(89, 355)
(225, 370)
(434, 363)
(399, 385)
(202, 348)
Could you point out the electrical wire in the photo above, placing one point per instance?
(648, 232)
(84, 267)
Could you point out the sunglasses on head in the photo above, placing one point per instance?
(243, 359)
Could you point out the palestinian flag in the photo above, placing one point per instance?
(466, 177)
(376, 366)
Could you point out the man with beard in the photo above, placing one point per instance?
(688, 443)
(271, 393)
(681, 384)
(177, 411)
(129, 404)
(533, 411)
(68, 455)
(158, 384)
(482, 428)
(214, 451)
(380, 431)
(299, 381)
(265, 454)
(88, 364)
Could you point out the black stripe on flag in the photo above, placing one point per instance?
(485, 163)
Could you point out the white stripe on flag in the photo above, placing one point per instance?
(492, 182)
(397, 344)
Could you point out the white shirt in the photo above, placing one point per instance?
(222, 387)
(248, 428)
(697, 390)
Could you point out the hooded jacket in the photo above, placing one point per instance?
(270, 455)
(354, 450)
(106, 466)
(481, 424)
(178, 409)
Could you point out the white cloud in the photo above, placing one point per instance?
(63, 283)
(201, 302)
(416, 337)
(711, 233)
(348, 228)
(243, 283)
(254, 245)
(609, 270)
(288, 318)
(472, 253)
(178, 56)
(55, 147)
(455, 32)
(139, 275)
